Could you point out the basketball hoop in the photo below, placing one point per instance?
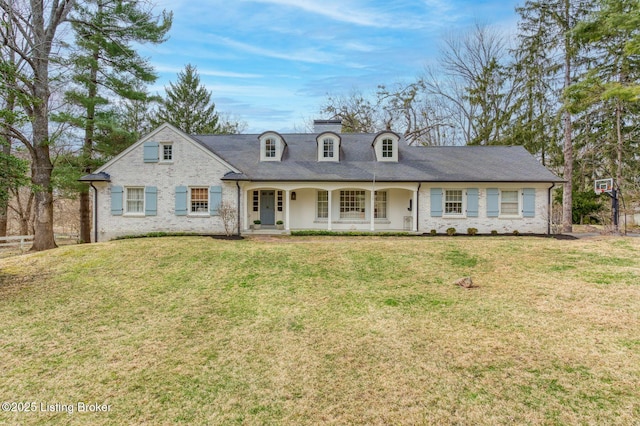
(603, 185)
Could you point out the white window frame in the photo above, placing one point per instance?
(462, 202)
(203, 211)
(328, 148)
(322, 204)
(353, 204)
(380, 204)
(130, 189)
(270, 148)
(518, 212)
(163, 146)
(386, 147)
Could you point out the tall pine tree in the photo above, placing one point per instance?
(188, 105)
(107, 66)
(547, 44)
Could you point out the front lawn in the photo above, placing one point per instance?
(323, 330)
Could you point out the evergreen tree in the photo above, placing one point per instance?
(188, 105)
(610, 85)
(546, 43)
(106, 65)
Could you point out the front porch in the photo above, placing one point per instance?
(363, 206)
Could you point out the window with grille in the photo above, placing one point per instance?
(509, 203)
(352, 204)
(381, 205)
(135, 200)
(387, 148)
(167, 152)
(199, 200)
(453, 202)
(323, 205)
(270, 148)
(327, 148)
(256, 202)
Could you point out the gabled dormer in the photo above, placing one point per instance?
(328, 146)
(272, 146)
(385, 146)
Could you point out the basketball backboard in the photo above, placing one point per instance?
(603, 185)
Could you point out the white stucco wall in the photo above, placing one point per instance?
(192, 166)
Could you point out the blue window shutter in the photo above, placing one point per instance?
(181, 201)
(436, 202)
(472, 202)
(215, 198)
(529, 202)
(150, 201)
(116, 200)
(151, 152)
(493, 202)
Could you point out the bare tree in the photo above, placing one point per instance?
(29, 30)
(473, 82)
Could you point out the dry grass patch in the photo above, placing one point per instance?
(332, 331)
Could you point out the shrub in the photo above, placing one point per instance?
(229, 217)
(472, 231)
(451, 231)
(433, 232)
(494, 232)
(257, 222)
(516, 232)
(279, 222)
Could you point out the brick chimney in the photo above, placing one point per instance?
(320, 126)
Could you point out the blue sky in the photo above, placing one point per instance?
(271, 63)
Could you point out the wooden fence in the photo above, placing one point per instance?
(23, 242)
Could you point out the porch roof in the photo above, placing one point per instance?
(358, 162)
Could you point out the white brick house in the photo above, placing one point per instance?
(173, 182)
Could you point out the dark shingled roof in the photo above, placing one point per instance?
(358, 163)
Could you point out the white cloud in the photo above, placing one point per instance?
(207, 72)
(303, 55)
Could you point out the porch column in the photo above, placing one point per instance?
(245, 211)
(329, 209)
(414, 211)
(287, 197)
(372, 210)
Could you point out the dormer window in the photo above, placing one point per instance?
(385, 146)
(271, 146)
(328, 146)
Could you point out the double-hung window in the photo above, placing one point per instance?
(199, 200)
(327, 148)
(380, 205)
(135, 200)
(270, 148)
(387, 148)
(352, 204)
(509, 203)
(167, 152)
(322, 210)
(453, 202)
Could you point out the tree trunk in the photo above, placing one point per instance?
(41, 166)
(4, 208)
(567, 196)
(41, 178)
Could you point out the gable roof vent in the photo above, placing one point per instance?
(320, 126)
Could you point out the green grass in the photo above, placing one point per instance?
(325, 330)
